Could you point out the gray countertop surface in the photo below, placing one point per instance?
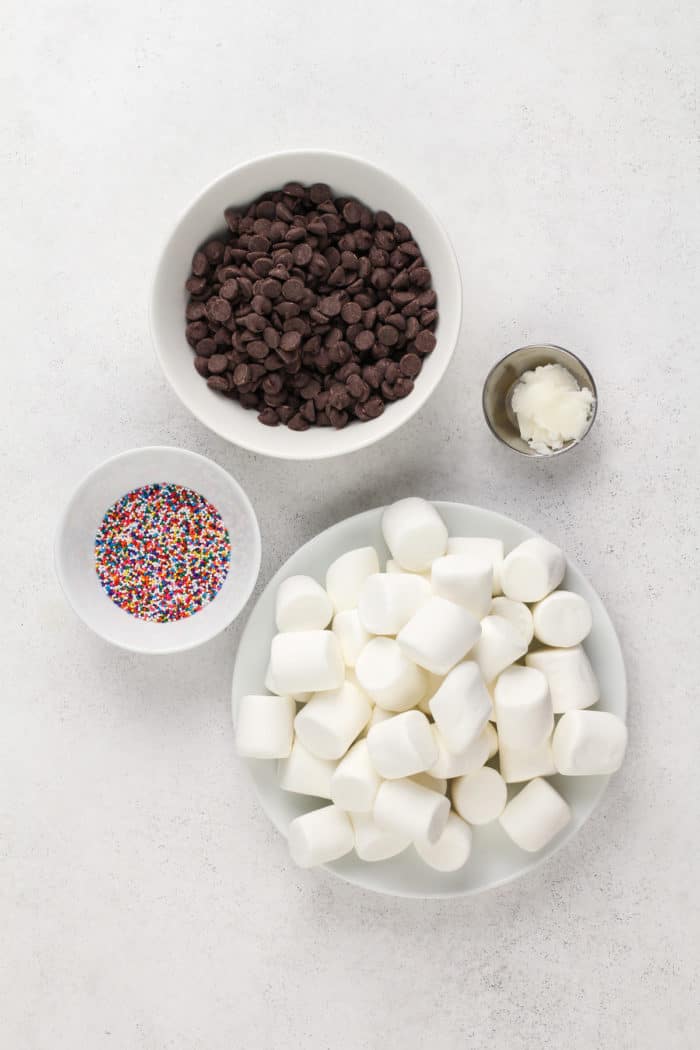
(146, 903)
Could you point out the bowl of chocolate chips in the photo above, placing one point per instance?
(306, 305)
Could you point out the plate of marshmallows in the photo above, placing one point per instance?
(431, 699)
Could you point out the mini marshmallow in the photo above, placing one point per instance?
(355, 782)
(306, 661)
(572, 683)
(388, 601)
(518, 764)
(448, 764)
(516, 613)
(589, 743)
(461, 707)
(452, 849)
(302, 605)
(388, 676)
(492, 739)
(414, 533)
(480, 797)
(347, 574)
(330, 721)
(265, 726)
(535, 816)
(304, 773)
(532, 570)
(320, 836)
(402, 745)
(406, 808)
(562, 619)
(348, 629)
(499, 646)
(523, 707)
(439, 635)
(465, 580)
(482, 548)
(438, 784)
(372, 843)
(392, 566)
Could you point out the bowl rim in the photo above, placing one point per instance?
(85, 483)
(555, 452)
(423, 392)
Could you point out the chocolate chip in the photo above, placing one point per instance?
(364, 340)
(217, 383)
(302, 254)
(293, 289)
(218, 363)
(330, 305)
(410, 365)
(351, 313)
(425, 342)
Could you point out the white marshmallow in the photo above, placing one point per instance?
(402, 745)
(465, 580)
(492, 739)
(348, 629)
(320, 836)
(448, 764)
(406, 808)
(355, 782)
(589, 743)
(264, 726)
(304, 773)
(480, 547)
(378, 715)
(270, 685)
(562, 619)
(480, 797)
(461, 707)
(518, 764)
(434, 681)
(330, 721)
(572, 683)
(499, 646)
(414, 533)
(439, 635)
(347, 574)
(535, 816)
(438, 784)
(372, 843)
(387, 601)
(452, 849)
(532, 570)
(302, 605)
(388, 677)
(306, 661)
(516, 613)
(524, 713)
(392, 566)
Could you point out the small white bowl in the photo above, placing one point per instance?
(205, 217)
(74, 551)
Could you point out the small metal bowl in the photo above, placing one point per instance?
(501, 380)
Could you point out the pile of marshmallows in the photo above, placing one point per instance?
(398, 697)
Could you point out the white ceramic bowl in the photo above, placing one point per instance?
(74, 551)
(204, 218)
(495, 859)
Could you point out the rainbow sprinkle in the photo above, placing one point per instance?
(162, 552)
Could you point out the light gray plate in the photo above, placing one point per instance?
(494, 858)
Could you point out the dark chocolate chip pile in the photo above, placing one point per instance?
(311, 309)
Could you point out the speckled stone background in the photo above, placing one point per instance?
(145, 901)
